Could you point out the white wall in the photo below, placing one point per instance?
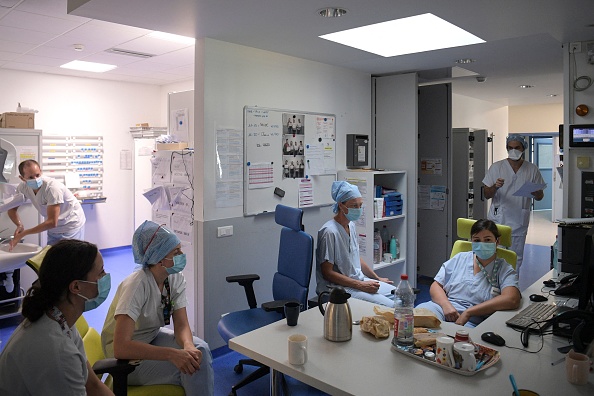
(535, 118)
(474, 113)
(228, 77)
(83, 106)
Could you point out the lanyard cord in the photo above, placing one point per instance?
(166, 301)
(59, 317)
(492, 279)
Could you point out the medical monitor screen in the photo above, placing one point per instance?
(586, 292)
(581, 135)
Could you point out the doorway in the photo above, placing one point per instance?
(542, 156)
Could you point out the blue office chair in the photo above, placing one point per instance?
(290, 283)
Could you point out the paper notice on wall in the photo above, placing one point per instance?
(229, 194)
(306, 193)
(431, 166)
(26, 153)
(260, 175)
(181, 226)
(178, 121)
(431, 197)
(125, 159)
(162, 217)
(161, 173)
(182, 199)
(158, 198)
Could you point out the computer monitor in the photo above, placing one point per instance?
(586, 288)
(581, 135)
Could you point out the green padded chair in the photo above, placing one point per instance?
(464, 226)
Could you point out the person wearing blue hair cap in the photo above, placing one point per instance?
(502, 180)
(144, 303)
(337, 254)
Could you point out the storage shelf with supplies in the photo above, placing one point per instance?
(76, 161)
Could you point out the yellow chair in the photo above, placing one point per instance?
(118, 369)
(464, 226)
(35, 261)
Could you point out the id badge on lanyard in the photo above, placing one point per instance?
(495, 291)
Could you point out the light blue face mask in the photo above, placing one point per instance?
(484, 250)
(179, 263)
(354, 214)
(35, 183)
(104, 285)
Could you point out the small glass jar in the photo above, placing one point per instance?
(430, 356)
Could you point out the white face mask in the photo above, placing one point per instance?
(514, 154)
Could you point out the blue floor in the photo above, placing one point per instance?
(119, 262)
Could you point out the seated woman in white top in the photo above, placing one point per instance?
(45, 355)
(472, 285)
(144, 303)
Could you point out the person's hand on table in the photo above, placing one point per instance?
(450, 313)
(463, 318)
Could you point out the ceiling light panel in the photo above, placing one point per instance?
(88, 66)
(419, 33)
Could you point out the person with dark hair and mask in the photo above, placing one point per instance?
(145, 302)
(45, 355)
(472, 285)
(502, 180)
(337, 254)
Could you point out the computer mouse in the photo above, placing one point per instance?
(537, 298)
(493, 338)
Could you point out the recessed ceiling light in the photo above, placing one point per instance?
(552, 95)
(410, 35)
(465, 60)
(88, 66)
(526, 86)
(332, 12)
(173, 37)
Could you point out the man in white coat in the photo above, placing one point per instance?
(502, 180)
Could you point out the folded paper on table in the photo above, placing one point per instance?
(528, 188)
(12, 202)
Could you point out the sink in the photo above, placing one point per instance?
(10, 261)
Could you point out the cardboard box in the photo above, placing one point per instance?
(172, 146)
(17, 120)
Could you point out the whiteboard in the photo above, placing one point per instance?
(290, 158)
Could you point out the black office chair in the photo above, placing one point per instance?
(290, 283)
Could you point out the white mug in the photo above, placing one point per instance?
(388, 257)
(577, 368)
(464, 356)
(297, 349)
(444, 351)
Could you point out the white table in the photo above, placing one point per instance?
(366, 366)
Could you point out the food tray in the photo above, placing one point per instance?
(482, 349)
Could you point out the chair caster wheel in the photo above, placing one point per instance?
(238, 368)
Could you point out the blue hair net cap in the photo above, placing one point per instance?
(343, 191)
(151, 243)
(517, 138)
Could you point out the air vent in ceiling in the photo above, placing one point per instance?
(136, 54)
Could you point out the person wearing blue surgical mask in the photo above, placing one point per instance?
(45, 355)
(337, 254)
(147, 300)
(501, 181)
(63, 215)
(472, 285)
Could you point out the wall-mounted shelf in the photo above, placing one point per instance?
(81, 155)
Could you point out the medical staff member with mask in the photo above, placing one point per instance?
(502, 180)
(64, 217)
(45, 355)
(146, 301)
(337, 254)
(472, 285)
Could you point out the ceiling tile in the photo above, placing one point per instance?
(12, 46)
(40, 60)
(150, 66)
(6, 56)
(164, 76)
(94, 37)
(127, 71)
(184, 56)
(58, 53)
(39, 23)
(111, 59)
(55, 8)
(23, 35)
(152, 45)
(187, 70)
(26, 67)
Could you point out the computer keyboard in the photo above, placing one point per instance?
(535, 312)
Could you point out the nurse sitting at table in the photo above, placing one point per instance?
(472, 285)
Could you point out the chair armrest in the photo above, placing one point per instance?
(247, 282)
(276, 306)
(119, 370)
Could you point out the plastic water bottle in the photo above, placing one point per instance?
(556, 258)
(397, 249)
(377, 247)
(393, 248)
(404, 300)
